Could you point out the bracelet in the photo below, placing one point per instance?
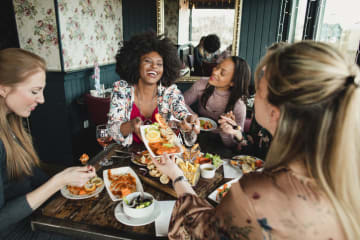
(178, 179)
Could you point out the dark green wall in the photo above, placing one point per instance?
(259, 25)
(138, 16)
(56, 123)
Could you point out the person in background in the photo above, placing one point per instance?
(206, 52)
(149, 66)
(257, 141)
(225, 91)
(23, 186)
(224, 54)
(308, 98)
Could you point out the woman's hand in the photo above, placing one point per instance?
(76, 176)
(191, 123)
(229, 126)
(135, 126)
(167, 166)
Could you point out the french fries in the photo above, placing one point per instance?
(190, 171)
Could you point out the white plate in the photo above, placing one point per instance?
(146, 142)
(212, 195)
(213, 123)
(239, 157)
(127, 220)
(66, 194)
(117, 171)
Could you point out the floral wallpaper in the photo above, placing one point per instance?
(37, 29)
(90, 32)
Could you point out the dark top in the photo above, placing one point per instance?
(14, 208)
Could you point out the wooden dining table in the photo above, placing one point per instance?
(94, 218)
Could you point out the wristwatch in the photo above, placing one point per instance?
(178, 179)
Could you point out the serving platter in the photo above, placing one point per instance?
(120, 171)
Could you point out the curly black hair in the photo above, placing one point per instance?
(241, 79)
(128, 57)
(211, 43)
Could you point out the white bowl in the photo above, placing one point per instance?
(207, 170)
(140, 212)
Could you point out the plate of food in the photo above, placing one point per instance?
(141, 159)
(92, 188)
(221, 191)
(159, 138)
(120, 182)
(207, 124)
(247, 163)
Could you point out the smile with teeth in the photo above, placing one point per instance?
(152, 73)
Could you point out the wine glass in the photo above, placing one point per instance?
(104, 139)
(189, 137)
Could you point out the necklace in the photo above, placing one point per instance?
(140, 100)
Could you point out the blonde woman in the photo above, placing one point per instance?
(308, 98)
(22, 190)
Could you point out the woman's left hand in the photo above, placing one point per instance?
(191, 122)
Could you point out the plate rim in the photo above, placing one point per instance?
(66, 193)
(212, 122)
(146, 143)
(126, 169)
(244, 155)
(154, 215)
(213, 198)
(137, 163)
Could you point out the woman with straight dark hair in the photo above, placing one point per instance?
(225, 92)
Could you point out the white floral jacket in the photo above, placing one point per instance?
(170, 101)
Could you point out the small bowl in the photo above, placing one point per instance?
(207, 170)
(140, 212)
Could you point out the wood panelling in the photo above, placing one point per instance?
(60, 120)
(8, 37)
(138, 16)
(259, 26)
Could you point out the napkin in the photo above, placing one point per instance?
(163, 221)
(230, 171)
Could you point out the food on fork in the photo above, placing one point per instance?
(84, 158)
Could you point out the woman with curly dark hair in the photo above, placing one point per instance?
(224, 93)
(149, 66)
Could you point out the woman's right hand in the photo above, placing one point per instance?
(135, 125)
(76, 176)
(167, 166)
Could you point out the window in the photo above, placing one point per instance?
(209, 21)
(339, 23)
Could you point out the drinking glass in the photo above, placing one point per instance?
(104, 139)
(189, 137)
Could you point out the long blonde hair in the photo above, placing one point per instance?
(16, 65)
(317, 91)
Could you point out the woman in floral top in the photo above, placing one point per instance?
(308, 98)
(149, 65)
